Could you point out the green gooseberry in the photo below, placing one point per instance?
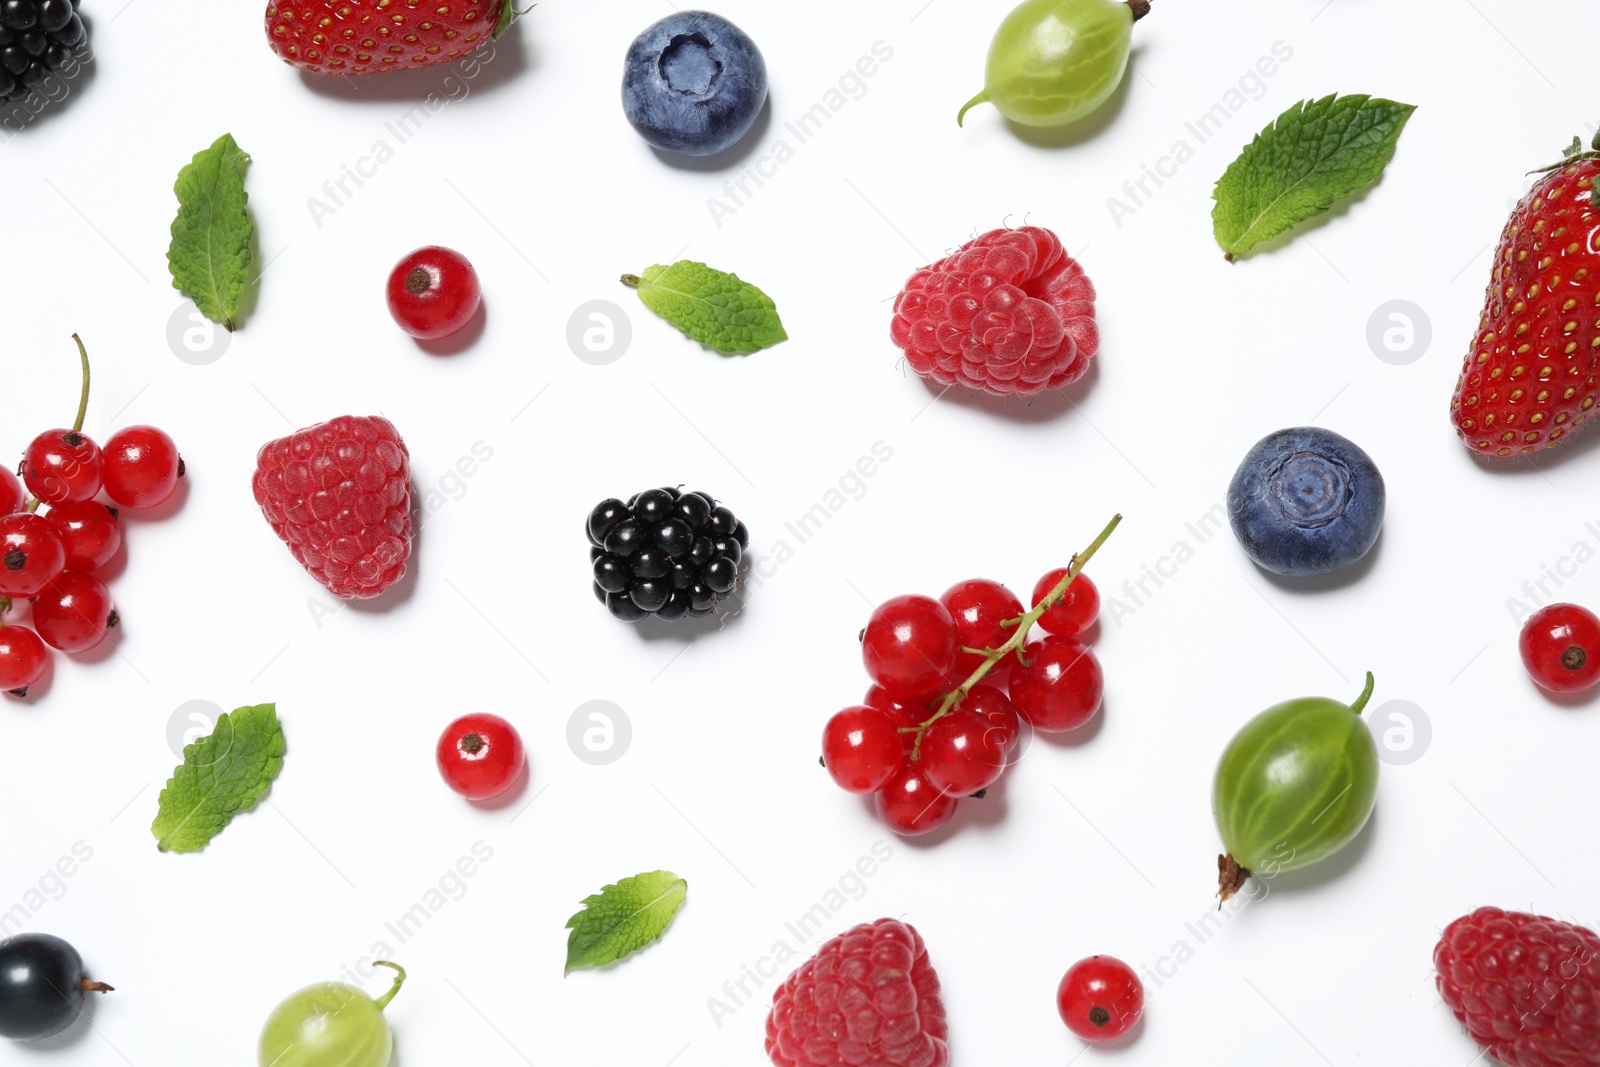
(1052, 62)
(1293, 787)
(330, 1024)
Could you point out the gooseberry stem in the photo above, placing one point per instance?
(399, 980)
(1140, 8)
(1366, 695)
(1023, 624)
(981, 98)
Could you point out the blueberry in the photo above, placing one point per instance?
(1306, 501)
(693, 84)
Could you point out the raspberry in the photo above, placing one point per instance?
(1525, 986)
(1009, 313)
(868, 998)
(339, 495)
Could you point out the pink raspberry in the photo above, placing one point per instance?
(339, 495)
(868, 998)
(1009, 313)
(1527, 987)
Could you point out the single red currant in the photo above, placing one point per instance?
(861, 748)
(962, 753)
(979, 607)
(61, 466)
(142, 467)
(910, 645)
(1100, 998)
(23, 659)
(31, 554)
(11, 495)
(89, 532)
(1077, 609)
(74, 612)
(433, 292)
(1060, 688)
(915, 713)
(1000, 714)
(1560, 648)
(910, 805)
(480, 756)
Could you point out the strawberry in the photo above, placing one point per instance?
(1531, 377)
(376, 36)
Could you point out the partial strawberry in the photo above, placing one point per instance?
(1534, 371)
(376, 36)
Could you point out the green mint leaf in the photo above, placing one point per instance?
(623, 918)
(714, 308)
(210, 250)
(1317, 152)
(222, 774)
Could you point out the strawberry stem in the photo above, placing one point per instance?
(1024, 623)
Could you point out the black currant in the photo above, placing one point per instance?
(41, 986)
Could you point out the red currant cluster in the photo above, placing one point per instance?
(954, 680)
(50, 559)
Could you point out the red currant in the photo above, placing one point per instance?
(23, 659)
(979, 607)
(1560, 648)
(480, 756)
(89, 531)
(433, 292)
(910, 805)
(961, 753)
(1060, 688)
(11, 495)
(31, 554)
(1077, 609)
(74, 612)
(910, 645)
(61, 466)
(142, 467)
(1100, 998)
(861, 748)
(1000, 713)
(915, 713)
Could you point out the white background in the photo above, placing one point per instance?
(1103, 844)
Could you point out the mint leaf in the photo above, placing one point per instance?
(1315, 153)
(711, 307)
(210, 251)
(623, 918)
(222, 774)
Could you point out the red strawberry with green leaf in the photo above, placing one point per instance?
(1534, 371)
(376, 36)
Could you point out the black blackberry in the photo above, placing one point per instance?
(37, 38)
(665, 552)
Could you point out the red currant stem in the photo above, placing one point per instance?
(83, 397)
(1014, 643)
(5, 606)
(399, 980)
(1366, 694)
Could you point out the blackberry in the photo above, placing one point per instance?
(665, 552)
(37, 39)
